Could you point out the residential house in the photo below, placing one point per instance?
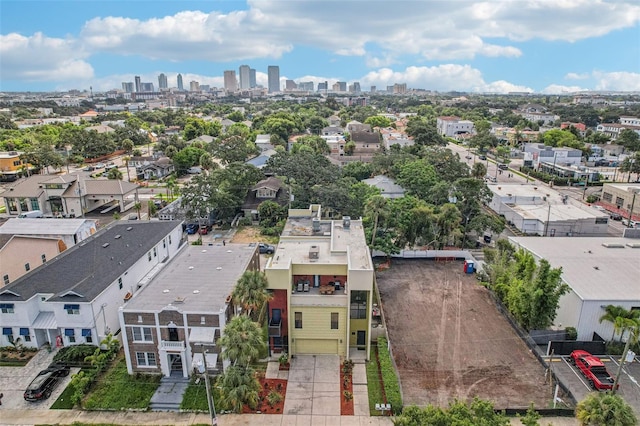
(261, 160)
(20, 254)
(537, 114)
(321, 277)
(263, 142)
(366, 142)
(270, 189)
(356, 126)
(332, 131)
(387, 186)
(101, 128)
(391, 136)
(613, 130)
(180, 314)
(69, 195)
(12, 166)
(453, 127)
(69, 231)
(157, 169)
(334, 120)
(206, 139)
(75, 298)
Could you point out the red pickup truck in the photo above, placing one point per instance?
(593, 369)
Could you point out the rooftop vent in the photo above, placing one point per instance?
(633, 245)
(346, 222)
(105, 245)
(314, 252)
(117, 237)
(316, 224)
(179, 300)
(613, 245)
(129, 228)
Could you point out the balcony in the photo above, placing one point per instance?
(169, 345)
(275, 327)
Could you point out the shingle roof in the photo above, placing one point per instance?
(109, 187)
(27, 188)
(91, 266)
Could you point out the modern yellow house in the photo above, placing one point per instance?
(11, 165)
(321, 276)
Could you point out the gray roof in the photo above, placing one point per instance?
(89, 268)
(34, 226)
(198, 279)
(593, 271)
(27, 188)
(109, 187)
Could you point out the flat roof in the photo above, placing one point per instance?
(558, 212)
(592, 270)
(198, 279)
(629, 187)
(526, 190)
(336, 244)
(34, 226)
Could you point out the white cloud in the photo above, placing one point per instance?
(576, 76)
(558, 89)
(617, 81)
(41, 58)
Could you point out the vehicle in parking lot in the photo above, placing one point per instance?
(203, 230)
(192, 228)
(100, 166)
(593, 369)
(44, 383)
(615, 216)
(468, 157)
(266, 248)
(483, 157)
(503, 166)
(89, 169)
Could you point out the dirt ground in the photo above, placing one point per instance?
(449, 340)
(247, 235)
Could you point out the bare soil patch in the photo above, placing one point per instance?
(449, 340)
(247, 234)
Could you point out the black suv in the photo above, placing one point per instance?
(44, 383)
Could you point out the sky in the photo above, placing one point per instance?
(493, 46)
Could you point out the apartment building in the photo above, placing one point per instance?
(179, 316)
(453, 127)
(321, 277)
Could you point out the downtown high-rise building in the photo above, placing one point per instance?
(244, 72)
(128, 87)
(230, 82)
(162, 82)
(273, 76)
(252, 78)
(305, 86)
(146, 87)
(138, 81)
(194, 86)
(323, 87)
(180, 83)
(290, 85)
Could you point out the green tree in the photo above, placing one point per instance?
(417, 177)
(424, 134)
(251, 293)
(559, 138)
(612, 313)
(238, 386)
(629, 139)
(376, 208)
(358, 170)
(631, 164)
(605, 409)
(478, 413)
(378, 121)
(271, 213)
(114, 174)
(316, 143)
(242, 341)
(231, 148)
(236, 116)
(478, 170)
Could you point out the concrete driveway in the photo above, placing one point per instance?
(14, 380)
(314, 385)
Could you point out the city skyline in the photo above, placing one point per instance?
(538, 46)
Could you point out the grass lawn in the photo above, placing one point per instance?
(64, 400)
(374, 387)
(195, 397)
(14, 362)
(117, 390)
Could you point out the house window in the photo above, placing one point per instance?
(155, 252)
(23, 204)
(86, 333)
(8, 331)
(203, 321)
(149, 256)
(619, 202)
(164, 243)
(142, 334)
(169, 239)
(71, 334)
(146, 359)
(24, 333)
(72, 309)
(358, 305)
(139, 318)
(44, 258)
(120, 283)
(298, 319)
(35, 205)
(5, 279)
(27, 267)
(334, 320)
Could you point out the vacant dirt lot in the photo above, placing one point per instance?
(449, 340)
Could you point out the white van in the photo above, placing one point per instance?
(31, 214)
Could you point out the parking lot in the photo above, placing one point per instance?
(449, 340)
(579, 387)
(14, 381)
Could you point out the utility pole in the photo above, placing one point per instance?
(624, 357)
(633, 202)
(212, 407)
(546, 224)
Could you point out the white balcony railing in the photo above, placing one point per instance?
(172, 345)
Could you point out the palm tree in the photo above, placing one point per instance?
(605, 409)
(114, 174)
(251, 291)
(126, 163)
(376, 207)
(242, 341)
(615, 315)
(238, 386)
(137, 207)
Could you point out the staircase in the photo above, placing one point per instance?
(169, 394)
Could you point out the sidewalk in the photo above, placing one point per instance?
(67, 417)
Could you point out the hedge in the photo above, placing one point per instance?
(389, 377)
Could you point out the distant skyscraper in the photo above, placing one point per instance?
(162, 82)
(356, 87)
(230, 82)
(373, 89)
(244, 73)
(306, 86)
(127, 87)
(138, 81)
(194, 86)
(323, 86)
(252, 78)
(180, 83)
(273, 74)
(290, 85)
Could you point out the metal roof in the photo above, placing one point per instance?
(35, 226)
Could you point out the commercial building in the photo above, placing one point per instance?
(599, 272)
(244, 72)
(194, 86)
(180, 82)
(321, 276)
(138, 81)
(540, 210)
(162, 82)
(622, 198)
(128, 87)
(75, 298)
(180, 313)
(273, 76)
(252, 78)
(230, 82)
(453, 127)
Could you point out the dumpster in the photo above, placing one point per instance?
(469, 267)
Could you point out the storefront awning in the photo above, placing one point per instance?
(45, 321)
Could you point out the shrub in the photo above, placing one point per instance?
(572, 333)
(347, 395)
(389, 378)
(75, 353)
(245, 221)
(274, 397)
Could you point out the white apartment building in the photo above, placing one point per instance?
(453, 127)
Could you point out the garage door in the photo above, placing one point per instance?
(316, 346)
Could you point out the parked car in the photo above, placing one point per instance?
(593, 369)
(31, 214)
(192, 228)
(194, 170)
(203, 230)
(483, 157)
(616, 216)
(468, 157)
(89, 169)
(503, 166)
(44, 383)
(266, 248)
(100, 166)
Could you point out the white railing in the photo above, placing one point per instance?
(168, 344)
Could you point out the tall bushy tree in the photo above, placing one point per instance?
(605, 409)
